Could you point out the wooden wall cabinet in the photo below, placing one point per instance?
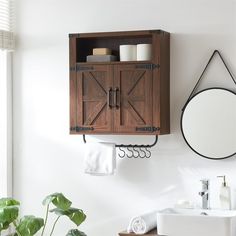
(119, 97)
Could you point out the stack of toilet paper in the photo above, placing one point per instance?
(139, 52)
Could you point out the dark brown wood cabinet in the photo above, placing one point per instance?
(119, 97)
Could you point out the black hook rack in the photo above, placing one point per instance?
(134, 150)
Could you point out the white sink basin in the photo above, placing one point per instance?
(196, 222)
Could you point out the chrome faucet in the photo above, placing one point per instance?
(205, 194)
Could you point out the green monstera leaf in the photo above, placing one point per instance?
(76, 215)
(75, 232)
(8, 202)
(7, 215)
(58, 200)
(29, 225)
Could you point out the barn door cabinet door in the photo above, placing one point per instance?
(113, 98)
(94, 88)
(133, 98)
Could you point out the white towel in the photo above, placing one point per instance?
(143, 223)
(100, 159)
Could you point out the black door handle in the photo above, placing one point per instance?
(109, 97)
(117, 97)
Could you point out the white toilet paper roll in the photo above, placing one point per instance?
(144, 52)
(128, 52)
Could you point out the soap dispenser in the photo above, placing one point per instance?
(225, 195)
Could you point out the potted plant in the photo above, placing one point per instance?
(30, 225)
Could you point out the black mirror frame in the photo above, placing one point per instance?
(181, 121)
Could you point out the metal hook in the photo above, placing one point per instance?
(142, 152)
(131, 152)
(148, 151)
(137, 153)
(121, 156)
(84, 138)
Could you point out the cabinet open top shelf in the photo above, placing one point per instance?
(85, 42)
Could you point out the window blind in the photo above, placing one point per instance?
(7, 38)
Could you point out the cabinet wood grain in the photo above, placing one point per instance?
(119, 97)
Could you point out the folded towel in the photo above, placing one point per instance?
(143, 223)
(100, 158)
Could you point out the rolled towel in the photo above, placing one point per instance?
(100, 159)
(143, 223)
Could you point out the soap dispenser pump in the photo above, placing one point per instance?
(225, 195)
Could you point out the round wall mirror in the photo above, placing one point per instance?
(208, 123)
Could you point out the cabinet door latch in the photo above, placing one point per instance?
(147, 66)
(79, 128)
(148, 129)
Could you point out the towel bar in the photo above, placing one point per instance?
(134, 148)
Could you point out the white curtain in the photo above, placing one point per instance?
(7, 38)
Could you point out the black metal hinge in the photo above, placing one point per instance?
(72, 68)
(148, 129)
(82, 68)
(80, 129)
(148, 66)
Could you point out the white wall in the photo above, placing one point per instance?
(6, 123)
(48, 159)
